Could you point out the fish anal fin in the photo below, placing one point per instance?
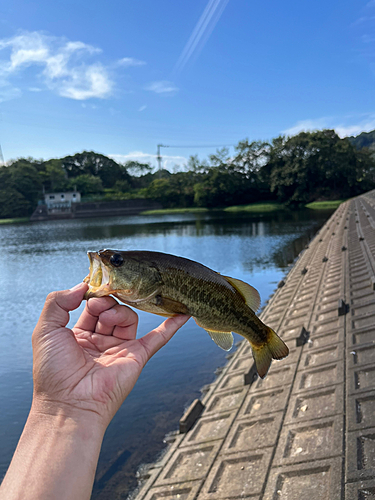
(222, 339)
(275, 348)
(249, 293)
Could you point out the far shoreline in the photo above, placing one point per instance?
(260, 207)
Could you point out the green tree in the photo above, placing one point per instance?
(312, 165)
(91, 163)
(87, 184)
(53, 177)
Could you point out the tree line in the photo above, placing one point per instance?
(292, 170)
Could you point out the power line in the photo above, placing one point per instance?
(202, 146)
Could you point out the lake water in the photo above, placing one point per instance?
(40, 257)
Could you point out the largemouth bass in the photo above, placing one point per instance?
(167, 285)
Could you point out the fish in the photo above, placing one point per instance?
(169, 285)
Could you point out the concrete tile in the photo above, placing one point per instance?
(297, 321)
(324, 339)
(319, 480)
(305, 297)
(264, 402)
(361, 379)
(367, 295)
(272, 318)
(250, 434)
(146, 482)
(312, 440)
(315, 404)
(226, 400)
(361, 355)
(325, 326)
(318, 377)
(279, 375)
(288, 334)
(189, 463)
(361, 411)
(363, 310)
(322, 356)
(232, 379)
(360, 454)
(297, 311)
(181, 491)
(293, 356)
(166, 455)
(327, 315)
(210, 428)
(237, 475)
(327, 306)
(362, 490)
(242, 363)
(302, 304)
(363, 336)
(360, 289)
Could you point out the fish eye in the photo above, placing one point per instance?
(116, 260)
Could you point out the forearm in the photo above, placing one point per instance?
(56, 458)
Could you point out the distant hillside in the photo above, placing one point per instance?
(364, 140)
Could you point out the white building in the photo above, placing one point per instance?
(61, 201)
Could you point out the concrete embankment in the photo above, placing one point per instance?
(95, 209)
(307, 431)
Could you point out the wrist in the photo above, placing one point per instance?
(57, 415)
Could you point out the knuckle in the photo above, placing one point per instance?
(52, 297)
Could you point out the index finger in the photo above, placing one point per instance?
(94, 307)
(158, 337)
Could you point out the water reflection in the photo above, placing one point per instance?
(40, 257)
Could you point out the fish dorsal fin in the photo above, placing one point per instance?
(248, 292)
(222, 339)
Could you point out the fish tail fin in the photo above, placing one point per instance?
(274, 348)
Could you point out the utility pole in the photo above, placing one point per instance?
(158, 156)
(2, 162)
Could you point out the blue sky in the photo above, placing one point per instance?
(120, 77)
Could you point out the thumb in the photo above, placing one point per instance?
(55, 313)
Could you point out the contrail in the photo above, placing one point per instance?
(201, 33)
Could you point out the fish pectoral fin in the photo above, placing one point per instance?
(170, 306)
(248, 292)
(222, 339)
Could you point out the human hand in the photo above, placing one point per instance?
(89, 371)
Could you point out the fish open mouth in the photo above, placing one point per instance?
(98, 279)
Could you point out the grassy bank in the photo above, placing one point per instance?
(324, 205)
(14, 221)
(271, 206)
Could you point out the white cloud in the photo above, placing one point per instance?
(344, 127)
(162, 87)
(142, 108)
(306, 126)
(348, 130)
(169, 162)
(129, 61)
(66, 67)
